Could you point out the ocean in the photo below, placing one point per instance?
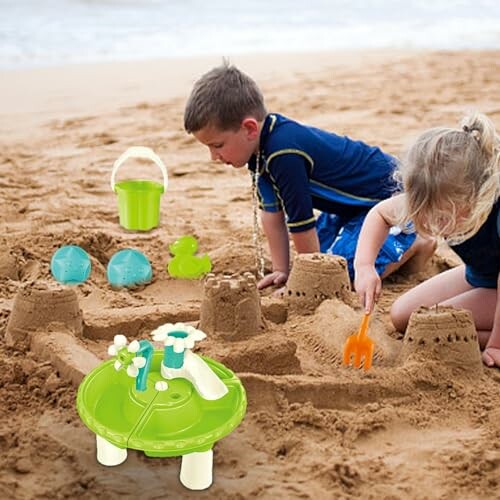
(37, 33)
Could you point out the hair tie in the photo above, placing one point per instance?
(474, 132)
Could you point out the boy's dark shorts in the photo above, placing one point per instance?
(339, 236)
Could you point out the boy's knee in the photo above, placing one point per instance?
(400, 315)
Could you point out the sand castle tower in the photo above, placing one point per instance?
(231, 306)
(36, 305)
(316, 277)
(442, 333)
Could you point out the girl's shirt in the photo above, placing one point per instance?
(481, 252)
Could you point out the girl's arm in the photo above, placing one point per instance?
(371, 238)
(491, 354)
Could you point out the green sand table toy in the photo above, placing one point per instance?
(179, 405)
(184, 263)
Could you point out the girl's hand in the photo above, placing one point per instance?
(275, 278)
(368, 286)
(491, 356)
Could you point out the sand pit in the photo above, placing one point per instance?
(421, 423)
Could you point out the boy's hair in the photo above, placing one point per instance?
(451, 178)
(223, 98)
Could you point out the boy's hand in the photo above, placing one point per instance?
(368, 286)
(491, 356)
(275, 278)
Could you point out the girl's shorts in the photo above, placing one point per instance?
(339, 236)
(479, 280)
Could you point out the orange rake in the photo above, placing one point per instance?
(359, 345)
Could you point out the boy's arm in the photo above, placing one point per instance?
(306, 241)
(276, 233)
(491, 354)
(277, 236)
(371, 238)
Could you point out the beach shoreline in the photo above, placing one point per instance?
(33, 96)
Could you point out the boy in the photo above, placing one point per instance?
(299, 168)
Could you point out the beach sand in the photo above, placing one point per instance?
(423, 422)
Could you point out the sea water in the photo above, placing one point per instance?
(53, 32)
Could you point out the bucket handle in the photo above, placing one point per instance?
(140, 152)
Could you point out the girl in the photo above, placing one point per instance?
(451, 183)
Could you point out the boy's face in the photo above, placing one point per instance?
(233, 147)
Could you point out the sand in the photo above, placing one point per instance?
(423, 422)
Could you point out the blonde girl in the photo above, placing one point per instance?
(451, 189)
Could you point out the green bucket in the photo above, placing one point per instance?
(139, 200)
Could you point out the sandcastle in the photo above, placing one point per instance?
(442, 333)
(231, 306)
(314, 278)
(39, 304)
(231, 310)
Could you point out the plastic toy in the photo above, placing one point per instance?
(139, 200)
(360, 345)
(179, 405)
(184, 263)
(128, 268)
(70, 265)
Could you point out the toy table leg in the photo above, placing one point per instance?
(196, 470)
(109, 454)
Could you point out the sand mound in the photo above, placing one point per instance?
(39, 304)
(8, 265)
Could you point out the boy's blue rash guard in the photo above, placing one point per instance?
(303, 167)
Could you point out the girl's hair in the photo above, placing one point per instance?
(451, 178)
(222, 98)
